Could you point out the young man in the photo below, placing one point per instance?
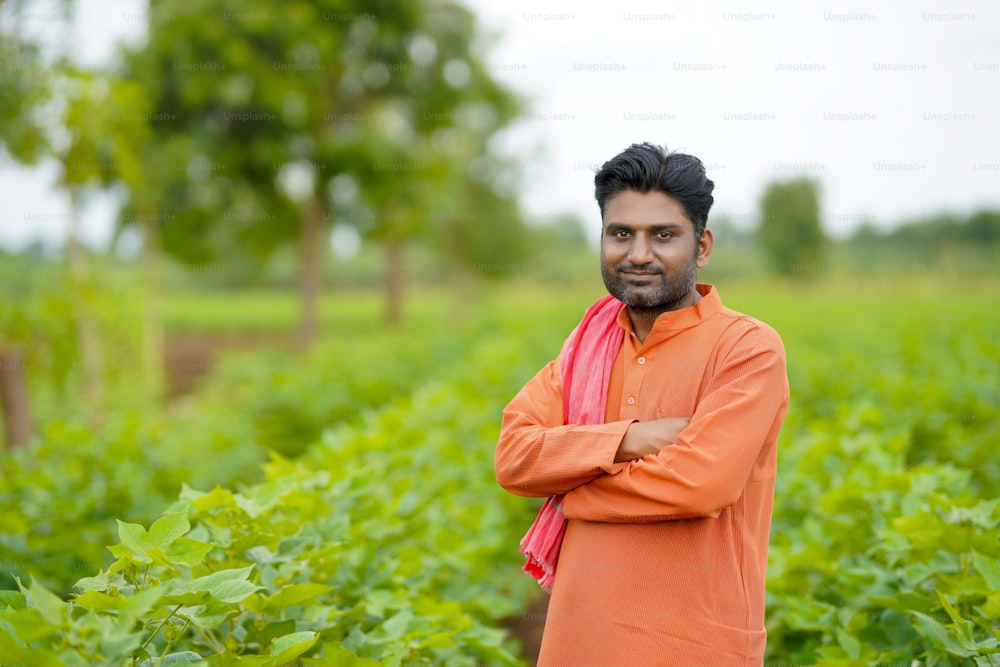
(654, 432)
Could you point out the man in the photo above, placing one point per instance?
(669, 500)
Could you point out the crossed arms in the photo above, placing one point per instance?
(640, 471)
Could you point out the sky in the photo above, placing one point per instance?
(893, 106)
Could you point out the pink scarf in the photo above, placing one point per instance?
(585, 369)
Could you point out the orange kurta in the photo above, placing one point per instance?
(664, 558)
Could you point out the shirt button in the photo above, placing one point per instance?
(631, 400)
(641, 360)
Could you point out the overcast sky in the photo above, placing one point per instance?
(892, 105)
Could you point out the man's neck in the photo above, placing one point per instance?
(643, 319)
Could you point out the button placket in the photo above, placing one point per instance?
(635, 374)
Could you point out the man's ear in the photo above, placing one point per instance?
(705, 244)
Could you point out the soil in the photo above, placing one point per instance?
(528, 627)
(191, 357)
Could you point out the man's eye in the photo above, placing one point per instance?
(664, 235)
(621, 234)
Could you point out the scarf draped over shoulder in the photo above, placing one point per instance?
(584, 371)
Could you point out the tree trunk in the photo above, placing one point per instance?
(310, 274)
(153, 335)
(87, 333)
(14, 398)
(394, 282)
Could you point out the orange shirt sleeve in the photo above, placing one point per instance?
(706, 469)
(537, 455)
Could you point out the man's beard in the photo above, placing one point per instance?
(653, 298)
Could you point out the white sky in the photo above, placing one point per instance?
(894, 106)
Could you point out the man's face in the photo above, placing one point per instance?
(649, 254)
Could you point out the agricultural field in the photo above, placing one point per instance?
(341, 508)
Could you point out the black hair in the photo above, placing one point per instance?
(645, 167)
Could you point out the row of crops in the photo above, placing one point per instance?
(375, 532)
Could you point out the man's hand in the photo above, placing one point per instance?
(650, 437)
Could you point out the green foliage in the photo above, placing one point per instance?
(58, 498)
(886, 529)
(389, 542)
(961, 244)
(367, 114)
(25, 85)
(38, 314)
(790, 230)
(386, 539)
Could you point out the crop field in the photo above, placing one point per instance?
(340, 508)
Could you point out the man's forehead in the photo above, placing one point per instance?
(645, 209)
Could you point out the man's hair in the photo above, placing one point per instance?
(645, 167)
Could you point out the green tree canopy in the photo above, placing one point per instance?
(790, 229)
(24, 83)
(272, 122)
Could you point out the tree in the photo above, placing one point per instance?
(982, 229)
(276, 127)
(790, 230)
(109, 144)
(25, 84)
(24, 80)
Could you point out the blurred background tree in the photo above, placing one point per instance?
(946, 241)
(24, 82)
(790, 230)
(268, 131)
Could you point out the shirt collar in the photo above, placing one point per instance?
(709, 305)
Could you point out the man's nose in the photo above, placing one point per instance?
(640, 252)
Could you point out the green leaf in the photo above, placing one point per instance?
(207, 616)
(12, 599)
(850, 645)
(185, 551)
(97, 583)
(218, 497)
(295, 594)
(939, 635)
(293, 645)
(962, 626)
(338, 656)
(97, 601)
(439, 640)
(982, 515)
(396, 627)
(131, 606)
(181, 659)
(272, 630)
(225, 585)
(264, 496)
(14, 652)
(991, 609)
(989, 568)
(145, 547)
(168, 528)
(134, 542)
(52, 609)
(28, 625)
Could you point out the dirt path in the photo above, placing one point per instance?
(191, 357)
(528, 627)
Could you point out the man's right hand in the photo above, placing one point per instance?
(650, 437)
